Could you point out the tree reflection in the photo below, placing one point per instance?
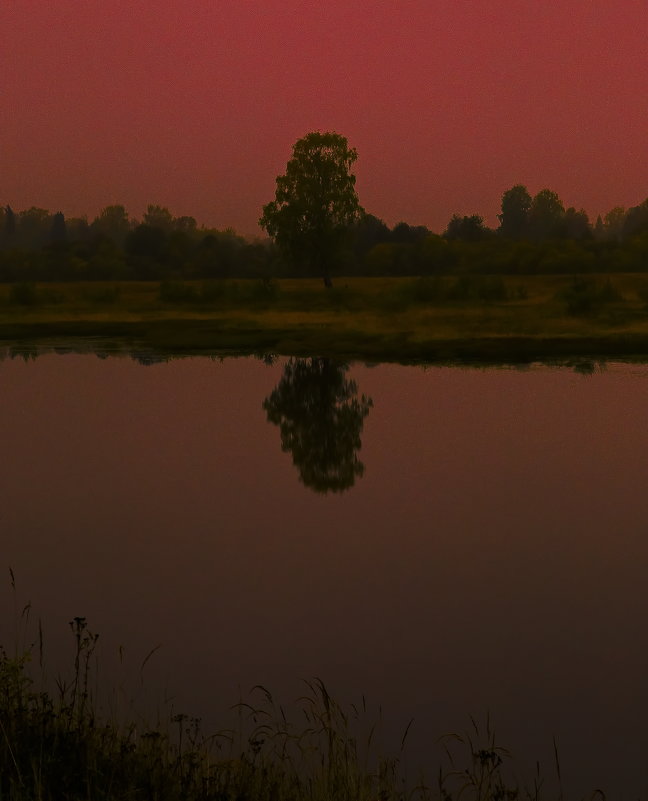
(320, 417)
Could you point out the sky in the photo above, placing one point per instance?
(195, 105)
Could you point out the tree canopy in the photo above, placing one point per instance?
(315, 202)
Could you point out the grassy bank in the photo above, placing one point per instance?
(405, 319)
(60, 745)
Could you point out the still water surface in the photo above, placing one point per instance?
(491, 556)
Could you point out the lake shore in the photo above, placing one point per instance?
(472, 318)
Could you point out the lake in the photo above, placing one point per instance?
(484, 553)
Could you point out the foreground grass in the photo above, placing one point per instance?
(409, 319)
(59, 746)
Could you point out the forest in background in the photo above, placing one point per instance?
(535, 235)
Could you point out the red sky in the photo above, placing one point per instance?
(195, 104)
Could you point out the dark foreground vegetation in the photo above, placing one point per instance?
(60, 745)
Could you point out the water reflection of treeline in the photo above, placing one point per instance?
(535, 234)
(147, 356)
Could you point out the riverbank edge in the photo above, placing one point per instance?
(187, 336)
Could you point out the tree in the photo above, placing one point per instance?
(576, 224)
(186, 225)
(546, 215)
(34, 226)
(514, 219)
(368, 231)
(146, 247)
(614, 221)
(158, 217)
(8, 232)
(404, 234)
(320, 417)
(636, 221)
(58, 232)
(468, 229)
(112, 223)
(315, 202)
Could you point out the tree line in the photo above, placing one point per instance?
(536, 234)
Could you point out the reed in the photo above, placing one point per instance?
(58, 745)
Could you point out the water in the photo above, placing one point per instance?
(488, 554)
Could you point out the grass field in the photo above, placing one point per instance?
(403, 319)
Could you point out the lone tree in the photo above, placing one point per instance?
(315, 202)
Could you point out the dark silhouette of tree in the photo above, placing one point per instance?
(146, 247)
(158, 217)
(112, 223)
(614, 222)
(468, 229)
(404, 234)
(34, 225)
(77, 228)
(576, 224)
(636, 220)
(514, 219)
(315, 202)
(9, 226)
(58, 231)
(369, 231)
(320, 417)
(546, 215)
(185, 225)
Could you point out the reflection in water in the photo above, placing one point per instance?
(320, 418)
(479, 506)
